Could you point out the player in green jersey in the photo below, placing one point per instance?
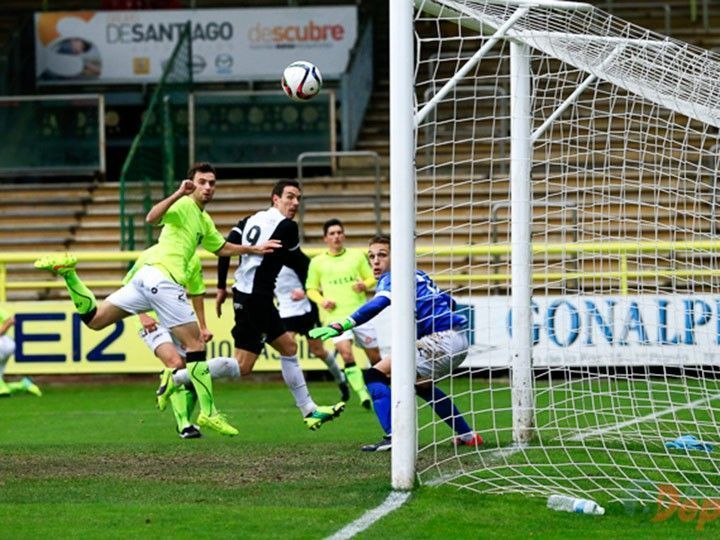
(337, 282)
(7, 349)
(160, 284)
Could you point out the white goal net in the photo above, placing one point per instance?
(618, 202)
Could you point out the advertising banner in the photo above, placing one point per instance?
(50, 338)
(643, 330)
(125, 47)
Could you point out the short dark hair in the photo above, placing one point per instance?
(280, 186)
(202, 167)
(332, 222)
(380, 239)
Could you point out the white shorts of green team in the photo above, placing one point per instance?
(7, 348)
(151, 290)
(365, 336)
(159, 336)
(440, 353)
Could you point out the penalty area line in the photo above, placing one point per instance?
(394, 501)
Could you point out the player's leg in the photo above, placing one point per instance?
(366, 337)
(377, 379)
(302, 325)
(317, 349)
(4, 357)
(314, 416)
(168, 354)
(437, 355)
(353, 373)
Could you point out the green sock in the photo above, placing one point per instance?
(191, 401)
(355, 377)
(202, 382)
(16, 387)
(83, 297)
(178, 402)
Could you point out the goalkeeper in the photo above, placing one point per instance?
(337, 282)
(442, 345)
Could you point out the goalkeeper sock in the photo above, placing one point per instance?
(202, 382)
(191, 400)
(379, 387)
(355, 378)
(295, 381)
(333, 368)
(179, 404)
(443, 407)
(220, 367)
(82, 297)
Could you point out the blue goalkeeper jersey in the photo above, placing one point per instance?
(434, 309)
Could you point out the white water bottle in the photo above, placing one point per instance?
(563, 503)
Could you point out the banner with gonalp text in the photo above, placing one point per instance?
(125, 47)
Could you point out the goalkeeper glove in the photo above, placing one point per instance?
(330, 331)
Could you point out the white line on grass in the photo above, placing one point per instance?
(394, 501)
(601, 431)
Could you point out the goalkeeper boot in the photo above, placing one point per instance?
(321, 415)
(4, 389)
(166, 388)
(57, 263)
(383, 445)
(475, 440)
(31, 387)
(217, 422)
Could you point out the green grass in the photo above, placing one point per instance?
(98, 461)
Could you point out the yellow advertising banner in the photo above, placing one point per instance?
(50, 338)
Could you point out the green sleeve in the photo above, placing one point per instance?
(212, 239)
(313, 276)
(4, 315)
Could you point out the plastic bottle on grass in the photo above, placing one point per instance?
(563, 503)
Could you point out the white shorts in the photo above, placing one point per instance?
(439, 353)
(7, 348)
(365, 336)
(151, 290)
(159, 336)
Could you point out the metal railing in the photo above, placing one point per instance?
(621, 249)
(375, 197)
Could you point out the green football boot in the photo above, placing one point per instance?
(57, 263)
(217, 422)
(31, 387)
(321, 415)
(166, 388)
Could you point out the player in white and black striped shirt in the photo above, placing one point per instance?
(257, 320)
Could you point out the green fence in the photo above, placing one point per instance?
(157, 159)
(52, 135)
(260, 129)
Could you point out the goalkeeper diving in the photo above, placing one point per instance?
(442, 345)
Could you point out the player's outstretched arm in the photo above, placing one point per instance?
(230, 249)
(6, 325)
(157, 212)
(366, 312)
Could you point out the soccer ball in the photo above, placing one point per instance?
(301, 80)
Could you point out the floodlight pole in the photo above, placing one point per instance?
(402, 230)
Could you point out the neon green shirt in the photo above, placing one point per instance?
(195, 285)
(185, 227)
(334, 276)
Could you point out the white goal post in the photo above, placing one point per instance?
(556, 169)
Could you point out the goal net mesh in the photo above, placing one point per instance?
(625, 295)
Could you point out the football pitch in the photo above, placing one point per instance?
(99, 461)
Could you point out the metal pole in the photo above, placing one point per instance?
(402, 211)
(521, 254)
